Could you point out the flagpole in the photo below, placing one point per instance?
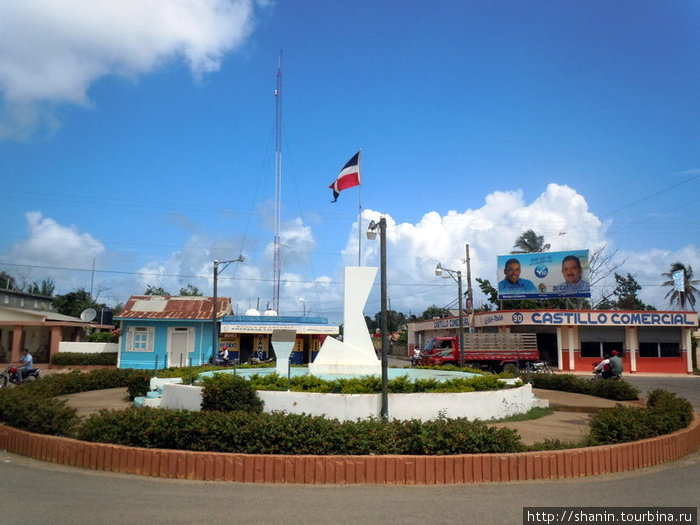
(359, 218)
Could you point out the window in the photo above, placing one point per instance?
(669, 350)
(659, 350)
(648, 350)
(590, 349)
(599, 348)
(140, 339)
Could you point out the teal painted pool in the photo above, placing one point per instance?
(393, 373)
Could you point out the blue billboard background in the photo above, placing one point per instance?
(541, 275)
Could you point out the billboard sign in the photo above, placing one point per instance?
(543, 275)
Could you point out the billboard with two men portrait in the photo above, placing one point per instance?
(544, 275)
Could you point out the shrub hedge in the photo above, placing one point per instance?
(249, 433)
(373, 384)
(609, 389)
(664, 413)
(78, 359)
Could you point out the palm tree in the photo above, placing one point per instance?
(530, 242)
(688, 293)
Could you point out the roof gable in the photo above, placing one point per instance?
(173, 307)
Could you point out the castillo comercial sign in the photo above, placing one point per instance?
(543, 275)
(587, 318)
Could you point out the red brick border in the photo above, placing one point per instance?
(399, 470)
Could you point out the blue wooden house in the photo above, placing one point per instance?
(164, 331)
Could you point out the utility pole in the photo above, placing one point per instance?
(470, 297)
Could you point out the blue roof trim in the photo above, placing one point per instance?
(277, 319)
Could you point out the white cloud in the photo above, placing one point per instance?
(53, 246)
(559, 213)
(53, 51)
(413, 250)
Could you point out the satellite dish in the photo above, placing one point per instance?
(88, 315)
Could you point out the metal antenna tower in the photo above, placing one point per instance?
(278, 187)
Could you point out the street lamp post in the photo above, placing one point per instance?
(438, 271)
(372, 234)
(214, 330)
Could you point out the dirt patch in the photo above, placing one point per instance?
(87, 403)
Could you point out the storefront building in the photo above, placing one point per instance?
(246, 336)
(574, 340)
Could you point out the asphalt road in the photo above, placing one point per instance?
(42, 493)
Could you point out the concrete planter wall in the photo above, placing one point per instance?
(349, 407)
(88, 348)
(399, 470)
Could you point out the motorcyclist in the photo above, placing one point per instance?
(615, 366)
(415, 358)
(602, 369)
(26, 364)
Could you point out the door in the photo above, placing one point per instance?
(180, 347)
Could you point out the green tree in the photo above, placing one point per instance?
(189, 291)
(153, 290)
(530, 242)
(394, 320)
(624, 296)
(680, 297)
(46, 288)
(432, 312)
(73, 303)
(7, 282)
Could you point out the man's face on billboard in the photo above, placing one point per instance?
(512, 272)
(571, 272)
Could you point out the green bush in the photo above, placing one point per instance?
(32, 406)
(227, 392)
(79, 358)
(34, 413)
(664, 413)
(373, 384)
(103, 337)
(252, 433)
(609, 389)
(138, 385)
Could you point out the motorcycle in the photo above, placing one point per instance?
(11, 375)
(415, 359)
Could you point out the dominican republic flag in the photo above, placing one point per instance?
(348, 178)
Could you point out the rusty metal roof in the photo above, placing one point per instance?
(173, 307)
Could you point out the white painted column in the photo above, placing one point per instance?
(687, 343)
(632, 343)
(572, 345)
(560, 354)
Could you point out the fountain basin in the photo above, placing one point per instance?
(350, 407)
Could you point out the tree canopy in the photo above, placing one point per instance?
(624, 296)
(687, 294)
(529, 242)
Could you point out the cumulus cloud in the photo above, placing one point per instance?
(50, 246)
(559, 213)
(51, 52)
(413, 250)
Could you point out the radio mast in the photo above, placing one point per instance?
(278, 187)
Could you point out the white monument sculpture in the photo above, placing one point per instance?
(355, 354)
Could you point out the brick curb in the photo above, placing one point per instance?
(398, 470)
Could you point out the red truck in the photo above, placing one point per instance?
(495, 352)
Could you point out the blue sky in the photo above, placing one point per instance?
(141, 137)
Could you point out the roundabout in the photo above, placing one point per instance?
(401, 470)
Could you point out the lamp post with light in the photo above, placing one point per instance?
(214, 331)
(371, 235)
(438, 271)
